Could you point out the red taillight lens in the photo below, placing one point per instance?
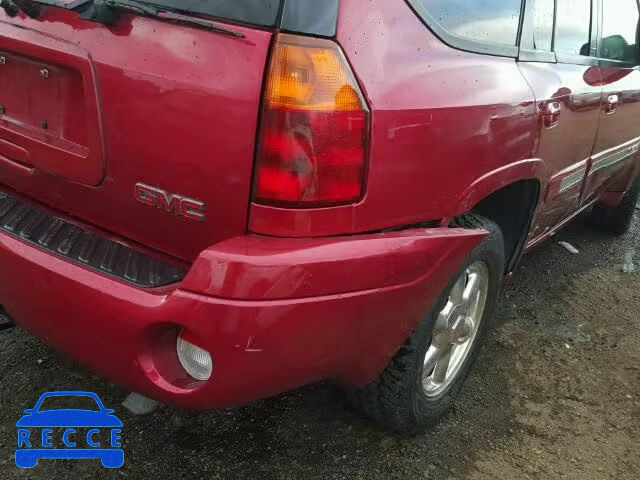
(314, 128)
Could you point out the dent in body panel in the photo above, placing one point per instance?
(442, 118)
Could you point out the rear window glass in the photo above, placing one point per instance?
(257, 12)
(543, 13)
(573, 27)
(479, 20)
(620, 31)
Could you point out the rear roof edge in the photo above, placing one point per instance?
(311, 17)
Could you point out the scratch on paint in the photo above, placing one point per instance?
(250, 347)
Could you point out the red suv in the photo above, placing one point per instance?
(212, 202)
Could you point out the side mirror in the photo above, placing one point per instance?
(109, 411)
(29, 411)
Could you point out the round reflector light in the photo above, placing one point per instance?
(195, 360)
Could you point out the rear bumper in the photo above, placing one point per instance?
(275, 314)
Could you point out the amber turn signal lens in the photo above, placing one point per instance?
(314, 127)
(314, 78)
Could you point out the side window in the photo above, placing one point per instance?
(573, 27)
(543, 14)
(478, 20)
(620, 31)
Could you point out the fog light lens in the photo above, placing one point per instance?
(195, 360)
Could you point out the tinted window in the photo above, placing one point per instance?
(573, 27)
(543, 11)
(480, 20)
(259, 12)
(620, 31)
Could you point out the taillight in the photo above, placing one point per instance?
(313, 138)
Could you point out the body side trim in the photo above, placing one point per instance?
(573, 180)
(614, 155)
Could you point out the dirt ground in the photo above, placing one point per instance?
(556, 394)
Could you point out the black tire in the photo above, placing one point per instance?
(396, 399)
(617, 220)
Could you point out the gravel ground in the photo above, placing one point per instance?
(556, 394)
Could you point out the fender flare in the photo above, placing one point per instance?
(530, 169)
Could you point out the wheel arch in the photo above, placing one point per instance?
(508, 196)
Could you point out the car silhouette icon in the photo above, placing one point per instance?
(32, 448)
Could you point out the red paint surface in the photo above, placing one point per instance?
(260, 346)
(281, 297)
(177, 108)
(271, 269)
(438, 116)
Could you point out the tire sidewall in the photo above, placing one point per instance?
(617, 220)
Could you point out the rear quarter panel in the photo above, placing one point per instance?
(441, 120)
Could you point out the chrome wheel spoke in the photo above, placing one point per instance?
(455, 329)
(430, 361)
(472, 290)
(442, 367)
(457, 292)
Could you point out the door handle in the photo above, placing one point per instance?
(612, 103)
(552, 114)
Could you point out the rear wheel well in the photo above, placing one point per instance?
(512, 208)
